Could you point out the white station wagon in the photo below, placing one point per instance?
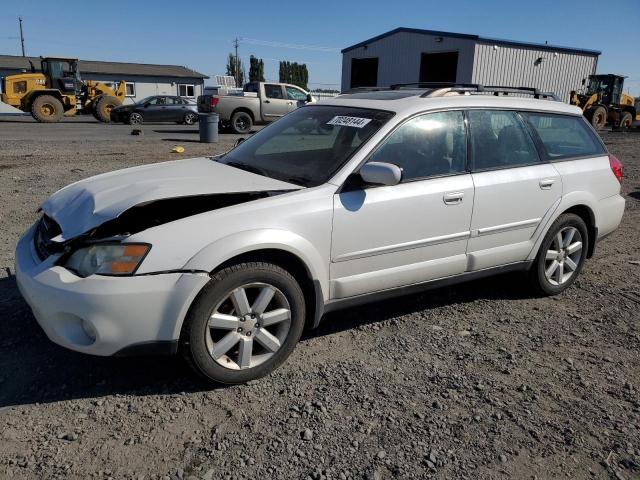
(369, 195)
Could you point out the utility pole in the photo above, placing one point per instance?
(21, 36)
(235, 44)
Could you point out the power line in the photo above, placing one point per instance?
(295, 46)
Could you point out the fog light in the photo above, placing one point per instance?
(89, 330)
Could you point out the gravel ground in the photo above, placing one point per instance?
(475, 381)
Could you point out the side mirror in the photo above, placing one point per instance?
(380, 173)
(239, 141)
(309, 98)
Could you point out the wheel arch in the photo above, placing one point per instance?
(245, 110)
(38, 93)
(587, 215)
(286, 249)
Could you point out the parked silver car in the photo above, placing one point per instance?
(359, 198)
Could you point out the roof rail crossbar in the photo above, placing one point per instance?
(494, 89)
(436, 88)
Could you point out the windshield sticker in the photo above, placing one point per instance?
(349, 121)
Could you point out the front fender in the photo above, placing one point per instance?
(223, 249)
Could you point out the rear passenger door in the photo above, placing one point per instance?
(515, 190)
(274, 102)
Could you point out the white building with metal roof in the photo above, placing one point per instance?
(407, 55)
(142, 79)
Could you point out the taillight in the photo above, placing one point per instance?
(616, 167)
(214, 101)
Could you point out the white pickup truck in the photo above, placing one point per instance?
(258, 104)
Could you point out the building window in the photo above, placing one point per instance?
(186, 90)
(130, 89)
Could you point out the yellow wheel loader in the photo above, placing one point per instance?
(603, 101)
(59, 91)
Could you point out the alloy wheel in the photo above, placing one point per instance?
(241, 124)
(248, 326)
(190, 118)
(563, 256)
(135, 118)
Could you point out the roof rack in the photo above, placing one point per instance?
(440, 88)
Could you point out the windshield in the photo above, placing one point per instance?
(309, 145)
(599, 84)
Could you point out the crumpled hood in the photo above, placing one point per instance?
(88, 203)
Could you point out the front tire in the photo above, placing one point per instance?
(103, 107)
(626, 120)
(135, 118)
(244, 323)
(561, 255)
(190, 118)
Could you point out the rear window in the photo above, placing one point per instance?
(565, 136)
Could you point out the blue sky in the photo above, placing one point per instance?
(200, 34)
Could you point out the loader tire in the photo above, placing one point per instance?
(103, 107)
(626, 120)
(47, 109)
(598, 117)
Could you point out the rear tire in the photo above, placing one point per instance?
(217, 351)
(598, 117)
(557, 264)
(47, 109)
(104, 106)
(241, 123)
(626, 120)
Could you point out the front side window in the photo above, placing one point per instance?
(273, 91)
(309, 145)
(426, 146)
(186, 90)
(295, 94)
(565, 136)
(499, 139)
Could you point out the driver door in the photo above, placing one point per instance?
(393, 236)
(274, 102)
(155, 109)
(296, 97)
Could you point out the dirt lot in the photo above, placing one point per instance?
(476, 381)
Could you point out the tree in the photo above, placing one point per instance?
(256, 69)
(238, 74)
(294, 73)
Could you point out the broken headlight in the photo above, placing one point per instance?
(107, 259)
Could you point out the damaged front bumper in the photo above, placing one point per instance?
(102, 315)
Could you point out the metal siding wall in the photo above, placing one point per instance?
(559, 72)
(399, 57)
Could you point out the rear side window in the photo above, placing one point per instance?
(273, 91)
(499, 139)
(564, 136)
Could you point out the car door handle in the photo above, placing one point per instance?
(453, 198)
(547, 183)
(267, 101)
